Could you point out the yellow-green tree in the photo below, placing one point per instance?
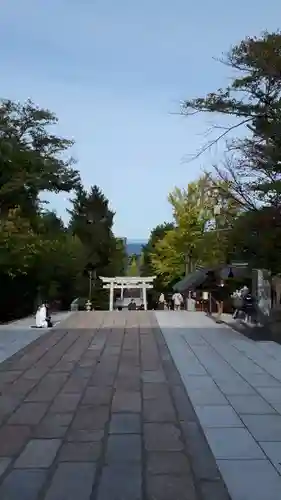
(133, 268)
(201, 219)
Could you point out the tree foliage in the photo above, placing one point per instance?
(40, 256)
(252, 99)
(252, 163)
(133, 267)
(198, 234)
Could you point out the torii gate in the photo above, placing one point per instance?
(127, 282)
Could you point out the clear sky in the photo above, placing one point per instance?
(114, 72)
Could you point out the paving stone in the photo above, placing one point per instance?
(97, 396)
(159, 410)
(53, 425)
(262, 380)
(153, 376)
(64, 366)
(21, 387)
(65, 403)
(251, 404)
(214, 490)
(72, 481)
(36, 373)
(155, 391)
(8, 377)
(273, 451)
(84, 435)
(82, 373)
(264, 427)
(167, 487)
(218, 416)
(202, 460)
(172, 462)
(235, 387)
(123, 448)
(120, 483)
(171, 372)
(91, 417)
(277, 407)
(126, 401)
(48, 388)
(102, 380)
(201, 382)
(182, 403)
(270, 394)
(29, 413)
(12, 439)
(207, 397)
(75, 385)
(8, 405)
(80, 452)
(122, 423)
(22, 484)
(4, 463)
(38, 453)
(251, 479)
(235, 443)
(162, 437)
(128, 367)
(127, 383)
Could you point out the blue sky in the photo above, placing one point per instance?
(114, 72)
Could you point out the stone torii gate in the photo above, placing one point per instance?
(127, 282)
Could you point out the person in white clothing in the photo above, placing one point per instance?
(41, 317)
(161, 301)
(178, 300)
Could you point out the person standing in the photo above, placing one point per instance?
(161, 302)
(220, 296)
(178, 300)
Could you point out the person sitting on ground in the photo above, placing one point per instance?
(48, 316)
(132, 306)
(41, 317)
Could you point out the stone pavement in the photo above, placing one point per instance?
(97, 410)
(234, 385)
(17, 334)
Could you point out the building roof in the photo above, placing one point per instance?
(192, 281)
(197, 278)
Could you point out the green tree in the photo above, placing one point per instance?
(91, 221)
(32, 159)
(133, 268)
(253, 100)
(256, 239)
(40, 257)
(199, 233)
(156, 234)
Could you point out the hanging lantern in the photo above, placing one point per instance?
(230, 274)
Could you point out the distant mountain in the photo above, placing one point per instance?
(134, 246)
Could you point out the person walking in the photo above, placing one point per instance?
(237, 303)
(161, 302)
(178, 300)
